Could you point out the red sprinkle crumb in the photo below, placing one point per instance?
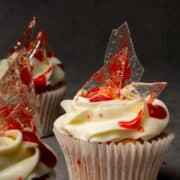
(78, 162)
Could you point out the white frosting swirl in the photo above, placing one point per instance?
(19, 159)
(99, 121)
(49, 67)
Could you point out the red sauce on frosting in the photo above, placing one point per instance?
(134, 123)
(157, 111)
(47, 157)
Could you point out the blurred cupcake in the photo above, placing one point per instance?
(48, 76)
(22, 154)
(115, 128)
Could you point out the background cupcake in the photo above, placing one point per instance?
(48, 75)
(22, 154)
(115, 128)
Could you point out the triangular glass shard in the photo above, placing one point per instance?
(119, 39)
(25, 38)
(18, 102)
(111, 77)
(121, 65)
(143, 90)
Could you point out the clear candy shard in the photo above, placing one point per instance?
(119, 39)
(26, 38)
(143, 90)
(111, 76)
(121, 65)
(18, 101)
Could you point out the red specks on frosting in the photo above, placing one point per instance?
(157, 111)
(134, 123)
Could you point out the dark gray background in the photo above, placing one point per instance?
(78, 32)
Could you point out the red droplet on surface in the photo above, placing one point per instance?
(134, 123)
(78, 162)
(25, 75)
(157, 111)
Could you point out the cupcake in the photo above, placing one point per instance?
(22, 155)
(115, 127)
(48, 76)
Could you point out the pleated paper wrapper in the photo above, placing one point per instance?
(110, 161)
(49, 110)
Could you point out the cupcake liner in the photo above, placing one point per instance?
(111, 161)
(49, 110)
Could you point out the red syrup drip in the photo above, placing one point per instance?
(111, 77)
(157, 111)
(47, 157)
(134, 123)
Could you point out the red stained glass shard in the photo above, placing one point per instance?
(121, 64)
(140, 89)
(26, 37)
(18, 102)
(110, 78)
(121, 38)
(134, 123)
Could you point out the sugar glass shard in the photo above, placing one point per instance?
(119, 39)
(18, 102)
(110, 78)
(39, 46)
(26, 37)
(143, 90)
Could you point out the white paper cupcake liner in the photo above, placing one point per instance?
(103, 161)
(49, 110)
